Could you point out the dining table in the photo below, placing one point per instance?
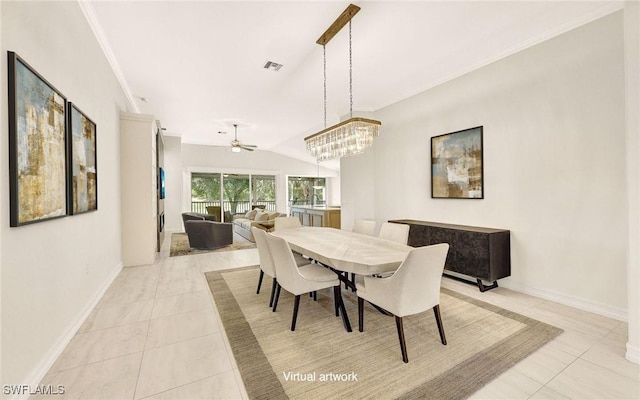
(346, 251)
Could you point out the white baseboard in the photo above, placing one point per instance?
(633, 354)
(620, 314)
(54, 352)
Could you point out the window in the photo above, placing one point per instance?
(304, 191)
(234, 193)
(205, 191)
(263, 189)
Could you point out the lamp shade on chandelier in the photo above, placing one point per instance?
(353, 135)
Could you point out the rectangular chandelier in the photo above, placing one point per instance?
(347, 138)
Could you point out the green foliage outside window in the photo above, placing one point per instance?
(306, 191)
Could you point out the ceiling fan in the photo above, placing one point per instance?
(236, 146)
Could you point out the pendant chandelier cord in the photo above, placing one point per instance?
(324, 54)
(350, 75)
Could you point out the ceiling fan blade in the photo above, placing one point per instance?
(246, 148)
(250, 145)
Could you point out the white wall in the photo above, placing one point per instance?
(554, 162)
(199, 158)
(53, 272)
(632, 73)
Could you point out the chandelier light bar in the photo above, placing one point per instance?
(354, 135)
(338, 24)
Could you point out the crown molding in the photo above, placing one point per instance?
(90, 15)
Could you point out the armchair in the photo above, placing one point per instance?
(205, 234)
(191, 216)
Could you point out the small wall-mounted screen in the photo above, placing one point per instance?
(162, 184)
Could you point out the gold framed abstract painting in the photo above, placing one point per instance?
(37, 146)
(83, 174)
(457, 165)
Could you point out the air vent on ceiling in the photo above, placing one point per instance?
(272, 66)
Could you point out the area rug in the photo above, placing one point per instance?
(320, 360)
(180, 246)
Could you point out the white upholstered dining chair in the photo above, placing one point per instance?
(286, 223)
(412, 289)
(266, 261)
(396, 232)
(304, 279)
(364, 226)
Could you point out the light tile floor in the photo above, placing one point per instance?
(145, 340)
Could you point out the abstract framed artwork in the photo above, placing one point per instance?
(83, 172)
(457, 165)
(37, 146)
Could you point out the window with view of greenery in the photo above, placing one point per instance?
(234, 193)
(264, 191)
(305, 191)
(205, 191)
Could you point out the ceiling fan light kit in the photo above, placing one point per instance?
(353, 135)
(236, 146)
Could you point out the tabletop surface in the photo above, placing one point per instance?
(346, 251)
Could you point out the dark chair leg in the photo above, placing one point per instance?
(315, 295)
(274, 283)
(436, 312)
(403, 344)
(360, 314)
(275, 301)
(338, 300)
(353, 282)
(296, 305)
(260, 281)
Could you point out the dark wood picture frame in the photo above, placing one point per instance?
(457, 165)
(37, 146)
(83, 162)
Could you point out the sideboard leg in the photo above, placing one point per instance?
(484, 288)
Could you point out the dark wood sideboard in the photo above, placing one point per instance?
(480, 253)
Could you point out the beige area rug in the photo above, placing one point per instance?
(320, 360)
(180, 246)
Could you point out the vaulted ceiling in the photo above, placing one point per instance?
(199, 66)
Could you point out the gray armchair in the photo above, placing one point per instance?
(205, 234)
(190, 216)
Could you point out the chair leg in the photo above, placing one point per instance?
(260, 281)
(338, 300)
(360, 314)
(315, 295)
(275, 301)
(436, 312)
(274, 283)
(296, 305)
(403, 344)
